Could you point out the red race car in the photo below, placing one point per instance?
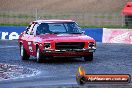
(55, 38)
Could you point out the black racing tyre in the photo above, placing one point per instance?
(39, 56)
(89, 58)
(23, 53)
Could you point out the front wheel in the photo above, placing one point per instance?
(23, 53)
(89, 58)
(39, 56)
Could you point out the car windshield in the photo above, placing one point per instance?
(55, 28)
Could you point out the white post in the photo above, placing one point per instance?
(122, 20)
(36, 14)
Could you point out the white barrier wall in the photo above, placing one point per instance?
(117, 36)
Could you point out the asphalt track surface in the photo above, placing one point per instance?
(60, 72)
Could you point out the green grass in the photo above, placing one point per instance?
(13, 24)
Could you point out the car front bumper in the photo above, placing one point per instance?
(69, 52)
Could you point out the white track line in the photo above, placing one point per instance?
(2, 46)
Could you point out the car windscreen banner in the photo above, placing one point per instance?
(117, 36)
(83, 78)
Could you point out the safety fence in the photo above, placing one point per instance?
(84, 19)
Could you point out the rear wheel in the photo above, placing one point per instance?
(23, 53)
(89, 58)
(39, 56)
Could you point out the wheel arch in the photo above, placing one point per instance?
(20, 43)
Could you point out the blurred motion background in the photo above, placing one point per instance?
(88, 13)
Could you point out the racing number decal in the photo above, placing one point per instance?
(30, 46)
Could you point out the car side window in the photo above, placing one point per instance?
(35, 28)
(30, 29)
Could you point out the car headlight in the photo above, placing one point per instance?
(91, 44)
(47, 45)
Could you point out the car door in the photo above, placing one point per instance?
(31, 39)
(28, 39)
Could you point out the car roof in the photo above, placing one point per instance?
(53, 21)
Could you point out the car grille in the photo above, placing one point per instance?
(69, 45)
